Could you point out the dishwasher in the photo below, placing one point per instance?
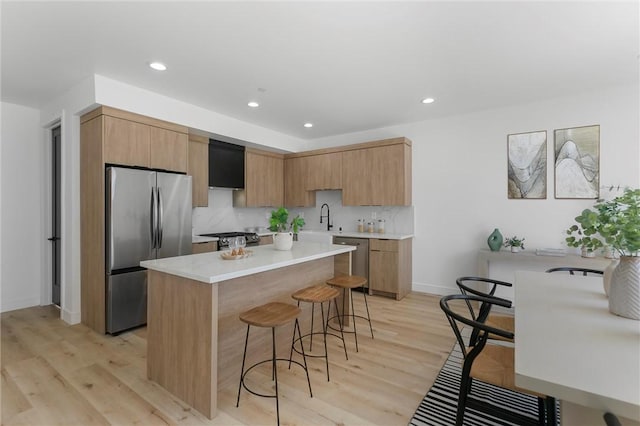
(359, 257)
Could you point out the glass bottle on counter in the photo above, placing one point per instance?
(370, 227)
(360, 225)
(381, 226)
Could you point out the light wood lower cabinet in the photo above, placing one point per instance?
(390, 267)
(207, 247)
(198, 168)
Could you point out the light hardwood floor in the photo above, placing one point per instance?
(56, 374)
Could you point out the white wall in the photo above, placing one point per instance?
(460, 177)
(24, 242)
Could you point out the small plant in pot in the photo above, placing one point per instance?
(279, 222)
(515, 243)
(584, 234)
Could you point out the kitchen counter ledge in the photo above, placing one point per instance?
(211, 268)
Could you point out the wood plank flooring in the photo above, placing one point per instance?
(56, 374)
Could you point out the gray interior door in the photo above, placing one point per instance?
(55, 215)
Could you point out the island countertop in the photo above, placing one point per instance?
(211, 268)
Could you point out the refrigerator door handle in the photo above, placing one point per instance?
(154, 221)
(160, 218)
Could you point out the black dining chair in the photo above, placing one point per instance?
(493, 364)
(469, 285)
(572, 270)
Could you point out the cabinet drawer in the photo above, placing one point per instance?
(204, 247)
(383, 245)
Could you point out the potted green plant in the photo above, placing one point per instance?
(515, 243)
(617, 222)
(584, 235)
(279, 222)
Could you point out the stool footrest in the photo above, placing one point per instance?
(264, 362)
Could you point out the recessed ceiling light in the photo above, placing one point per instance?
(253, 104)
(308, 125)
(158, 66)
(428, 100)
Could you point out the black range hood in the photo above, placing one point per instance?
(226, 165)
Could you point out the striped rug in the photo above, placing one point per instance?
(441, 402)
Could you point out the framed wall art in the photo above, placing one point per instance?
(527, 165)
(577, 162)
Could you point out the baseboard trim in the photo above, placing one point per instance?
(12, 305)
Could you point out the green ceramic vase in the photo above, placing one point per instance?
(495, 240)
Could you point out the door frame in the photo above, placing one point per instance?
(46, 293)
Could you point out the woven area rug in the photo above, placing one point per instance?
(440, 404)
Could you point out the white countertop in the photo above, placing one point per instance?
(371, 235)
(211, 268)
(568, 344)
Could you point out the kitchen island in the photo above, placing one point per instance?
(194, 336)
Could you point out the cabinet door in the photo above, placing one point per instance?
(204, 247)
(168, 150)
(378, 176)
(324, 171)
(198, 168)
(126, 142)
(356, 178)
(295, 175)
(383, 271)
(263, 180)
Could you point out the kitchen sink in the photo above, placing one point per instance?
(324, 237)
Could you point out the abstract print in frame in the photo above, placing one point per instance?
(577, 162)
(527, 165)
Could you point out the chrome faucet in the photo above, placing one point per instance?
(329, 225)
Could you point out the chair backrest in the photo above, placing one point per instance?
(467, 285)
(475, 319)
(572, 270)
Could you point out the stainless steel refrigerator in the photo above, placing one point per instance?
(148, 216)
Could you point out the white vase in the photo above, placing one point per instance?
(515, 249)
(606, 276)
(283, 240)
(624, 294)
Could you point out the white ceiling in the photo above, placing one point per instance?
(344, 66)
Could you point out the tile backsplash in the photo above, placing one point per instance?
(221, 216)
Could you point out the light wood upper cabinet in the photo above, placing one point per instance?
(377, 176)
(324, 171)
(263, 181)
(169, 150)
(198, 168)
(126, 142)
(130, 141)
(295, 183)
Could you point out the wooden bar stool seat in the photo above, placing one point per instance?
(347, 283)
(271, 315)
(318, 294)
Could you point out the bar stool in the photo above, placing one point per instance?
(270, 315)
(346, 283)
(318, 294)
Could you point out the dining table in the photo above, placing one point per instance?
(569, 346)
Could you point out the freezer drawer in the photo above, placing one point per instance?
(126, 301)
